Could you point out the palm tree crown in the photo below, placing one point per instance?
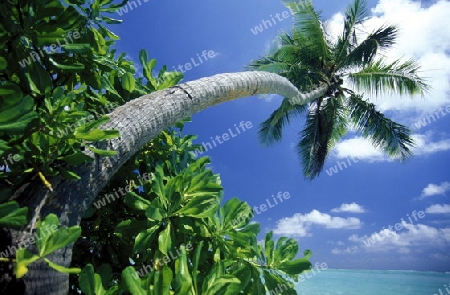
(310, 59)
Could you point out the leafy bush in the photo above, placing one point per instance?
(172, 236)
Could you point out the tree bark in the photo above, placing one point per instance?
(138, 121)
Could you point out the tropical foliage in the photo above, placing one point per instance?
(53, 99)
(54, 93)
(172, 236)
(48, 239)
(310, 58)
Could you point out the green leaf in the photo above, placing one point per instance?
(286, 250)
(268, 248)
(90, 283)
(240, 238)
(17, 111)
(226, 285)
(296, 266)
(196, 262)
(72, 270)
(144, 239)
(76, 66)
(136, 202)
(69, 174)
(132, 281)
(236, 214)
(87, 280)
(3, 63)
(171, 79)
(155, 212)
(128, 82)
(23, 259)
(130, 227)
(307, 254)
(164, 240)
(45, 38)
(105, 272)
(51, 238)
(148, 68)
(97, 134)
(12, 216)
(200, 207)
(163, 279)
(109, 20)
(244, 275)
(273, 282)
(104, 153)
(77, 158)
(10, 93)
(84, 129)
(99, 42)
(183, 280)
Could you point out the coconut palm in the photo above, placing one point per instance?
(311, 59)
(138, 121)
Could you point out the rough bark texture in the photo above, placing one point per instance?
(138, 122)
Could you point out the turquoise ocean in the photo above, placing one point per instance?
(375, 282)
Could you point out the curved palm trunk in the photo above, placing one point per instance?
(138, 122)
(304, 98)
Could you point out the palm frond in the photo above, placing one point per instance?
(354, 15)
(325, 125)
(393, 138)
(307, 22)
(395, 78)
(288, 53)
(291, 62)
(269, 65)
(364, 53)
(270, 131)
(286, 39)
(304, 78)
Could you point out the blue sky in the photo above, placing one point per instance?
(344, 215)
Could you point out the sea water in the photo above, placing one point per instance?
(375, 282)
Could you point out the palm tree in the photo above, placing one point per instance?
(138, 121)
(311, 59)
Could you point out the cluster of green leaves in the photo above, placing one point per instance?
(52, 102)
(48, 239)
(180, 205)
(51, 105)
(12, 216)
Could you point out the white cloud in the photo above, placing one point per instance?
(425, 144)
(412, 236)
(300, 224)
(339, 243)
(438, 209)
(424, 36)
(352, 208)
(435, 189)
(359, 148)
(348, 250)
